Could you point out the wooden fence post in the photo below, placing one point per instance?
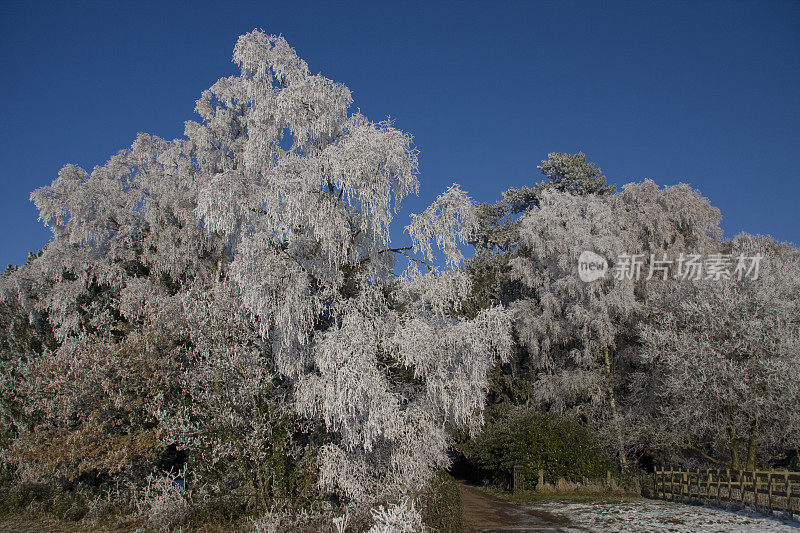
(658, 482)
(716, 488)
(671, 485)
(741, 488)
(519, 479)
(730, 488)
(769, 489)
(728, 477)
(686, 491)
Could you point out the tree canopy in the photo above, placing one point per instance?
(205, 288)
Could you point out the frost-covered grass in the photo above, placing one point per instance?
(634, 515)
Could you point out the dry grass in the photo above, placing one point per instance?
(573, 491)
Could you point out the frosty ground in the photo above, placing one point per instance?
(643, 515)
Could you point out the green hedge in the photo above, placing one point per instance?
(560, 446)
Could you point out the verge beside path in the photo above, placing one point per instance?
(484, 513)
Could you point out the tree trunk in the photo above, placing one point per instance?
(218, 269)
(752, 445)
(733, 446)
(615, 416)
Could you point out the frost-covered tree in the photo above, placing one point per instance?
(189, 280)
(21, 339)
(576, 331)
(497, 225)
(496, 242)
(727, 355)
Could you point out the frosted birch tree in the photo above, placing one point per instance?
(257, 247)
(496, 242)
(575, 329)
(727, 353)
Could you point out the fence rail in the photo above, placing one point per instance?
(777, 491)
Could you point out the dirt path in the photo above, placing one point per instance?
(483, 513)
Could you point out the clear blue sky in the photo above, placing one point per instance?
(702, 92)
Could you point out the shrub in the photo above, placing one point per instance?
(442, 510)
(63, 502)
(69, 505)
(163, 503)
(220, 507)
(402, 517)
(19, 497)
(560, 446)
(283, 521)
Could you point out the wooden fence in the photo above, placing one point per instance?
(777, 491)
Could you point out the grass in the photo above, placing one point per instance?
(565, 491)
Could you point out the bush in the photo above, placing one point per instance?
(442, 510)
(292, 522)
(43, 497)
(163, 503)
(19, 497)
(221, 507)
(560, 446)
(401, 517)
